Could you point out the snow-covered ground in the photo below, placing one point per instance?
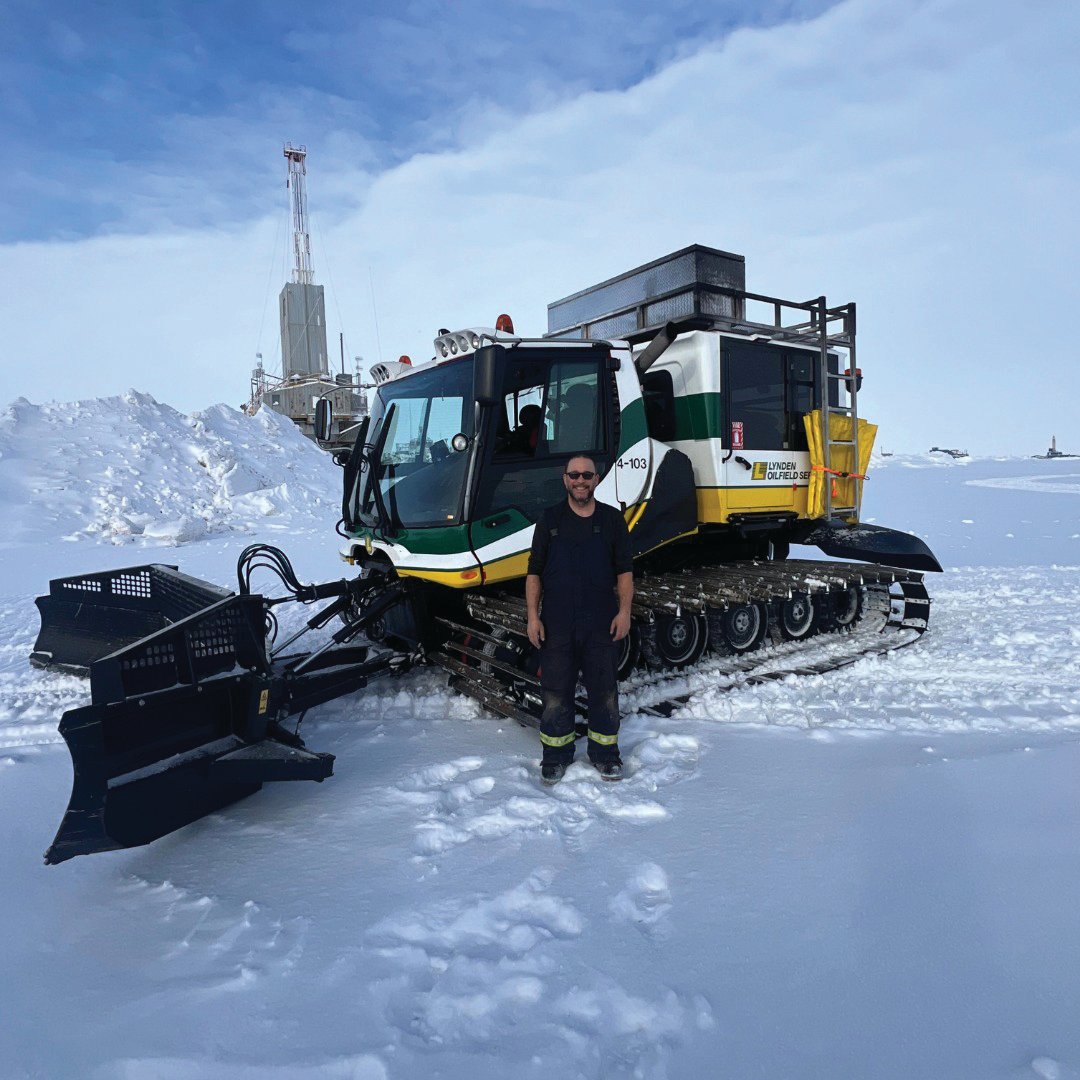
(871, 873)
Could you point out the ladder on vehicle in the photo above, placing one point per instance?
(847, 386)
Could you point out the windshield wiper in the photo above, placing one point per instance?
(383, 522)
(356, 459)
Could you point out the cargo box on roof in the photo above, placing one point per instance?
(696, 280)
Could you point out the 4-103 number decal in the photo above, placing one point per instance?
(633, 463)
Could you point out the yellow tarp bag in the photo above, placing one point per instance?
(843, 474)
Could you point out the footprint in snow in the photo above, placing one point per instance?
(664, 759)
(501, 974)
(459, 811)
(645, 900)
(510, 923)
(437, 776)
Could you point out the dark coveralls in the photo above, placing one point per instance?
(577, 560)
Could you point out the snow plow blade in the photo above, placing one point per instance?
(188, 719)
(194, 761)
(874, 543)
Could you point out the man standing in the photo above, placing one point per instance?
(582, 567)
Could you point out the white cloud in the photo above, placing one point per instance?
(920, 159)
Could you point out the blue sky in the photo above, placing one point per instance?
(138, 116)
(921, 158)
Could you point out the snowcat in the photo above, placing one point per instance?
(726, 427)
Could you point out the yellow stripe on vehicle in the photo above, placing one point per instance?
(717, 504)
(635, 516)
(507, 568)
(468, 578)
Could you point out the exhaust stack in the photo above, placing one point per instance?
(657, 347)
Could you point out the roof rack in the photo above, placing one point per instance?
(696, 287)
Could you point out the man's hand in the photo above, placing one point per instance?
(535, 631)
(620, 625)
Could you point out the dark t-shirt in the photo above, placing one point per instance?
(577, 529)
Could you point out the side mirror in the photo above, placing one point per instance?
(486, 375)
(324, 420)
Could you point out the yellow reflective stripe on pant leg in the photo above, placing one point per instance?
(603, 740)
(557, 740)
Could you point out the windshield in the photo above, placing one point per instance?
(420, 474)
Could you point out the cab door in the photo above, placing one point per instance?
(552, 404)
(766, 391)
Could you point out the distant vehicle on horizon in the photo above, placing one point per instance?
(1053, 451)
(951, 453)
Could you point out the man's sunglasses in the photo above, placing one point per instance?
(581, 475)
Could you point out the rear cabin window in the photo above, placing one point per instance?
(755, 396)
(769, 389)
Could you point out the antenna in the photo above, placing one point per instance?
(303, 274)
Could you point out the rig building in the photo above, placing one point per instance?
(305, 372)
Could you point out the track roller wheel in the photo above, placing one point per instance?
(795, 619)
(738, 629)
(628, 652)
(680, 640)
(842, 610)
(509, 651)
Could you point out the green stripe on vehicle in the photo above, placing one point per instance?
(438, 540)
(632, 426)
(498, 525)
(699, 416)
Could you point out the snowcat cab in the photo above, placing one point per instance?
(463, 455)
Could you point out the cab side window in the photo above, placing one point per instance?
(658, 393)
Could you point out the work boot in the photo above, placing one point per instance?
(609, 770)
(552, 772)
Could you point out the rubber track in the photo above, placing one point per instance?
(492, 694)
(694, 591)
(670, 705)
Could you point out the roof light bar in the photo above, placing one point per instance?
(458, 342)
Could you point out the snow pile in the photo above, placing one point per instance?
(129, 469)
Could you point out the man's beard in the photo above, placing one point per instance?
(581, 500)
